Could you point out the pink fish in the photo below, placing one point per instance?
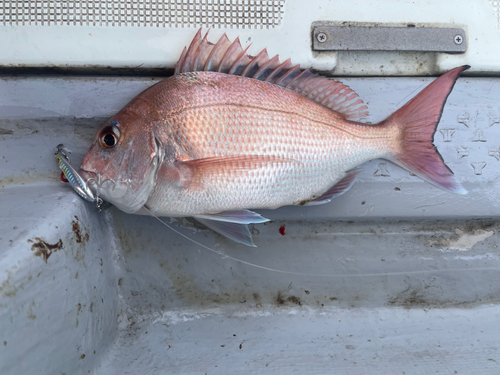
(230, 132)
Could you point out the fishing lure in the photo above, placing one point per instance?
(77, 182)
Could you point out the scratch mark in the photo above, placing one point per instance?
(429, 205)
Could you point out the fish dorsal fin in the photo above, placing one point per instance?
(231, 58)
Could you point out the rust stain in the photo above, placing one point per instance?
(43, 249)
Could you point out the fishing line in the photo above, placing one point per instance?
(401, 273)
(225, 255)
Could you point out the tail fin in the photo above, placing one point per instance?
(416, 122)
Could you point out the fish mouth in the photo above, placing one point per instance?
(87, 175)
(92, 179)
(120, 193)
(95, 183)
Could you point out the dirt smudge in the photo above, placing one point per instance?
(7, 289)
(31, 314)
(409, 299)
(6, 131)
(79, 237)
(43, 249)
(281, 299)
(462, 240)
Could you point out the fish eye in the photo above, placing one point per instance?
(109, 136)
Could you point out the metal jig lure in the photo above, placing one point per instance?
(77, 182)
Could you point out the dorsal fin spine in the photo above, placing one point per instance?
(213, 54)
(278, 69)
(262, 55)
(240, 57)
(193, 46)
(292, 82)
(181, 60)
(197, 56)
(230, 52)
(267, 65)
(194, 51)
(287, 75)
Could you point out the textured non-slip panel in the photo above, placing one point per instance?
(496, 11)
(262, 14)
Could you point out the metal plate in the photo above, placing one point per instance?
(376, 38)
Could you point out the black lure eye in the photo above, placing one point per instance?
(110, 136)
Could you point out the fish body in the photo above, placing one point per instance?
(231, 132)
(261, 146)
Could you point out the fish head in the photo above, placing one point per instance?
(121, 165)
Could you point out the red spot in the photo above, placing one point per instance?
(282, 230)
(63, 177)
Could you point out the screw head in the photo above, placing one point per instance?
(459, 39)
(321, 37)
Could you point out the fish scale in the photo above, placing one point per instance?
(320, 145)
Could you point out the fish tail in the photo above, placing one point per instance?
(414, 126)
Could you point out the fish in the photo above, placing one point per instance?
(230, 133)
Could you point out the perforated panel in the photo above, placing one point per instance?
(496, 11)
(262, 14)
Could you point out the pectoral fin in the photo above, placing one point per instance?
(238, 217)
(338, 189)
(233, 224)
(200, 172)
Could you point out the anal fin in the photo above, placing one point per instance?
(338, 189)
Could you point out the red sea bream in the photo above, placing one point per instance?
(230, 132)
